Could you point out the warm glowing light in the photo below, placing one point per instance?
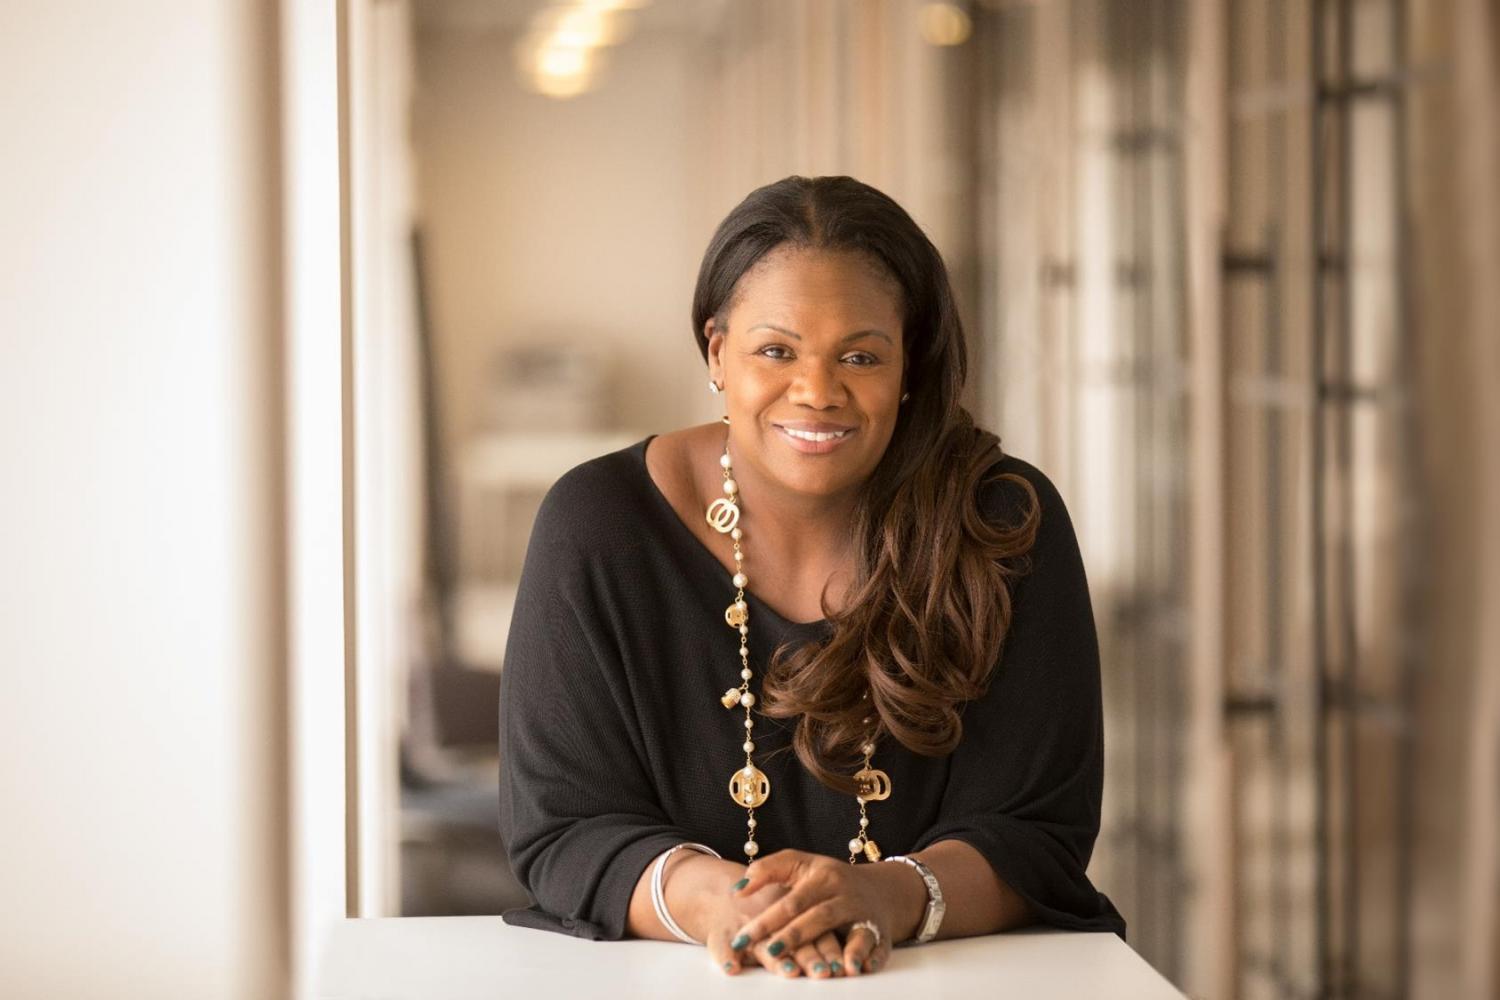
(559, 56)
(562, 61)
(612, 5)
(579, 27)
(945, 24)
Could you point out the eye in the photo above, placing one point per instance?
(862, 359)
(776, 352)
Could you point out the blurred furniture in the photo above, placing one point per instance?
(502, 478)
(482, 957)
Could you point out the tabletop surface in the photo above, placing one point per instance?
(456, 958)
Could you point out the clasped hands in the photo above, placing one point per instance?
(794, 913)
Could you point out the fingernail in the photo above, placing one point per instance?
(739, 885)
(874, 964)
(819, 967)
(857, 966)
(837, 968)
(788, 966)
(740, 942)
(776, 948)
(728, 966)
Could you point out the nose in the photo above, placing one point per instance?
(817, 385)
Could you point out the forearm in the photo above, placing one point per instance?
(977, 901)
(688, 878)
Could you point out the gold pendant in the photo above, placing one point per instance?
(730, 698)
(723, 515)
(749, 787)
(737, 614)
(872, 786)
(872, 852)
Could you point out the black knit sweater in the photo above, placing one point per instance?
(614, 745)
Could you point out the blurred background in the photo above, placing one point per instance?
(1231, 275)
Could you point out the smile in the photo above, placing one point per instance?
(814, 442)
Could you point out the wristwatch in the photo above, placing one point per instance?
(933, 918)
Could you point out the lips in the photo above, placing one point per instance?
(814, 438)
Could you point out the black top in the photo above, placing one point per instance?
(614, 745)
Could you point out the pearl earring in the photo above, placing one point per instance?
(714, 387)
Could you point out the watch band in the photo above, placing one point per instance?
(932, 919)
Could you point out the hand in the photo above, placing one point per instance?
(717, 916)
(825, 897)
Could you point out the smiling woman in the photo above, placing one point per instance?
(910, 599)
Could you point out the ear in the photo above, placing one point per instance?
(715, 337)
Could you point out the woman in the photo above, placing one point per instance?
(838, 623)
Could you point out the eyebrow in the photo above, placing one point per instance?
(848, 339)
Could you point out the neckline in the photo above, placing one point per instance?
(670, 512)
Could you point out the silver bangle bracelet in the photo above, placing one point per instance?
(659, 897)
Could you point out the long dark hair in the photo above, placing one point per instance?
(930, 604)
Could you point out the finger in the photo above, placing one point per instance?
(810, 961)
(777, 960)
(767, 926)
(725, 958)
(783, 867)
(859, 944)
(810, 924)
(879, 957)
(830, 954)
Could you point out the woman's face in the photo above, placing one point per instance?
(811, 360)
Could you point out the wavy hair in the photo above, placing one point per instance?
(930, 603)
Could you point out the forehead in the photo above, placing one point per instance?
(818, 288)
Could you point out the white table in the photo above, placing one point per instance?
(456, 958)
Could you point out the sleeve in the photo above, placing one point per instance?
(1026, 780)
(579, 817)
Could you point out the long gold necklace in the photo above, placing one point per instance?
(749, 787)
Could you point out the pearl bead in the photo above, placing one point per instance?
(749, 771)
(747, 699)
(739, 556)
(745, 673)
(742, 606)
(744, 651)
(854, 846)
(740, 579)
(748, 747)
(864, 821)
(752, 822)
(749, 723)
(724, 460)
(752, 848)
(868, 749)
(744, 630)
(731, 487)
(736, 533)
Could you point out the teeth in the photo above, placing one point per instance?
(819, 436)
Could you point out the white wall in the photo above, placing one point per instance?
(580, 220)
(141, 713)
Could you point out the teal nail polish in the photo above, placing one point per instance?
(728, 966)
(874, 964)
(819, 967)
(837, 967)
(739, 885)
(776, 948)
(788, 966)
(739, 942)
(857, 966)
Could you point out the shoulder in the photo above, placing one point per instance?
(595, 502)
(1012, 486)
